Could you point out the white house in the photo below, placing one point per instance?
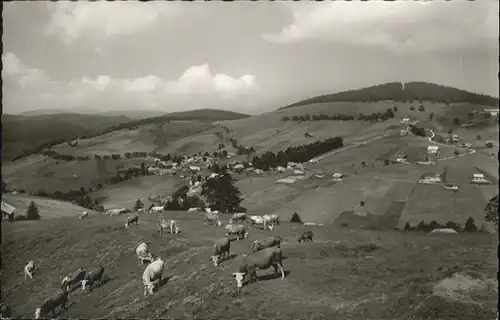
(479, 178)
(452, 187)
(432, 149)
(403, 132)
(7, 210)
(405, 121)
(430, 178)
(401, 158)
(493, 112)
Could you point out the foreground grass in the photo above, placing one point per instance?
(345, 274)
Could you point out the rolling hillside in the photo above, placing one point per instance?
(410, 91)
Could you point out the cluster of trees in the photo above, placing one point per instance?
(491, 210)
(79, 197)
(376, 116)
(32, 213)
(412, 91)
(417, 130)
(219, 193)
(301, 153)
(470, 226)
(65, 157)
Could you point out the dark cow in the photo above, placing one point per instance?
(308, 235)
(72, 279)
(266, 243)
(50, 305)
(221, 250)
(5, 311)
(260, 260)
(93, 276)
(132, 219)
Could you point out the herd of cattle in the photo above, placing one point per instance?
(263, 254)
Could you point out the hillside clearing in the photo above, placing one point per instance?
(345, 273)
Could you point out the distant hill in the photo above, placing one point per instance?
(206, 114)
(131, 114)
(395, 91)
(22, 133)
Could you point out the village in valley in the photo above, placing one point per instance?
(186, 199)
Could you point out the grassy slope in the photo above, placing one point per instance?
(48, 208)
(23, 132)
(325, 280)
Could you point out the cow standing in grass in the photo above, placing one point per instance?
(132, 219)
(271, 221)
(258, 220)
(93, 276)
(5, 312)
(258, 245)
(168, 224)
(72, 279)
(152, 275)
(260, 260)
(212, 218)
(221, 250)
(143, 254)
(84, 215)
(306, 236)
(50, 305)
(29, 269)
(237, 229)
(238, 217)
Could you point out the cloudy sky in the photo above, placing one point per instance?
(248, 56)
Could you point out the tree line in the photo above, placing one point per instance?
(376, 116)
(301, 153)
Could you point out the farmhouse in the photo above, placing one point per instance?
(493, 112)
(403, 132)
(429, 178)
(8, 210)
(432, 149)
(401, 158)
(452, 187)
(479, 178)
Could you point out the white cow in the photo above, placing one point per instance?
(157, 209)
(212, 217)
(242, 216)
(132, 219)
(237, 229)
(29, 269)
(84, 215)
(168, 224)
(272, 220)
(152, 275)
(259, 220)
(143, 253)
(193, 209)
(115, 212)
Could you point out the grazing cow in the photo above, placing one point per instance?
(115, 212)
(132, 219)
(237, 229)
(271, 220)
(260, 260)
(93, 276)
(152, 275)
(29, 269)
(143, 253)
(50, 305)
(212, 218)
(84, 215)
(193, 209)
(258, 220)
(266, 243)
(221, 250)
(157, 209)
(308, 235)
(5, 311)
(73, 278)
(171, 224)
(238, 217)
(141, 210)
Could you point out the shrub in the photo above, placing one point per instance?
(32, 212)
(470, 225)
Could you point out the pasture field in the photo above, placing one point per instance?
(344, 274)
(126, 193)
(48, 208)
(44, 173)
(147, 138)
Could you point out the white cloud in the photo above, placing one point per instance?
(72, 20)
(196, 85)
(397, 25)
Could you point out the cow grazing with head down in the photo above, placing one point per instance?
(258, 245)
(84, 215)
(260, 260)
(168, 224)
(132, 219)
(306, 236)
(237, 229)
(152, 275)
(143, 253)
(92, 277)
(212, 218)
(50, 305)
(238, 217)
(29, 269)
(221, 250)
(72, 279)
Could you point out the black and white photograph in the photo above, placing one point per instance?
(279, 160)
